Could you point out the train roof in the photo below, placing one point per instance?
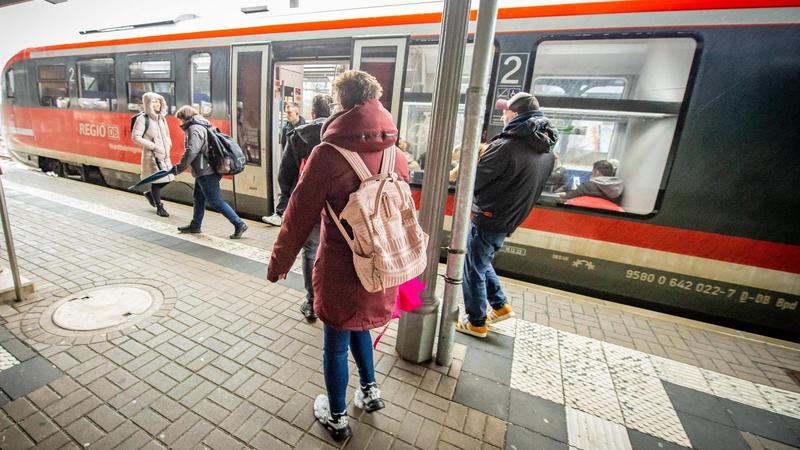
(426, 12)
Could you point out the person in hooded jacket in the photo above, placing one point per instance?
(299, 143)
(150, 130)
(603, 184)
(510, 177)
(206, 179)
(346, 309)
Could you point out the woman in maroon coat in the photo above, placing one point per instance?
(346, 309)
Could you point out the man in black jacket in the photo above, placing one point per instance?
(299, 143)
(510, 177)
(293, 120)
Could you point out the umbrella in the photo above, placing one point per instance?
(151, 178)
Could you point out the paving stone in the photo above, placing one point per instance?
(168, 408)
(219, 440)
(104, 389)
(520, 438)
(15, 438)
(538, 415)
(707, 435)
(179, 427)
(488, 365)
(56, 441)
(63, 360)
(193, 436)
(28, 376)
(483, 394)
(264, 441)
(38, 426)
(283, 431)
(150, 421)
(84, 432)
(119, 437)
(79, 410)
(106, 418)
(211, 411)
(697, 403)
(642, 441)
(763, 423)
(19, 409)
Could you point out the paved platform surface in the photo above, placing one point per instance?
(224, 359)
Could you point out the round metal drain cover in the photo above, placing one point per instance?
(103, 307)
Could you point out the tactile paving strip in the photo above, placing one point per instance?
(587, 432)
(594, 399)
(681, 374)
(736, 389)
(507, 327)
(646, 407)
(782, 402)
(7, 360)
(536, 367)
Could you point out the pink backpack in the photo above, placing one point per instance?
(388, 244)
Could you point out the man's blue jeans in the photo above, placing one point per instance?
(206, 191)
(481, 284)
(309, 258)
(334, 363)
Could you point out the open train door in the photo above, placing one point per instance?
(250, 91)
(385, 59)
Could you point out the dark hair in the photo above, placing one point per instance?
(354, 87)
(321, 105)
(524, 105)
(604, 168)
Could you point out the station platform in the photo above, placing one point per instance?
(223, 359)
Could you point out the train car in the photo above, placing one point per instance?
(695, 101)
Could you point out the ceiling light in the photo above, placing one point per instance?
(255, 9)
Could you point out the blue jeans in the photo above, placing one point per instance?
(206, 191)
(334, 363)
(309, 258)
(481, 284)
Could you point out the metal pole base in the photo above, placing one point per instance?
(415, 335)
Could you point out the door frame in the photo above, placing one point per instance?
(401, 55)
(262, 173)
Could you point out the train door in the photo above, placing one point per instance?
(298, 77)
(385, 59)
(249, 118)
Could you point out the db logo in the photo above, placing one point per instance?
(98, 130)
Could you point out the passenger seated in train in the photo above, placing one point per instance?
(557, 182)
(604, 183)
(453, 177)
(403, 145)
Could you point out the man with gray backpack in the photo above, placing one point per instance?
(206, 178)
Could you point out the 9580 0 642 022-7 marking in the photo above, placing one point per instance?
(711, 289)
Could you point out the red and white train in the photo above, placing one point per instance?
(697, 100)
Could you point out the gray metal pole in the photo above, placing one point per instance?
(473, 123)
(417, 330)
(12, 255)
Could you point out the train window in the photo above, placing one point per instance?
(418, 97)
(97, 84)
(53, 87)
(201, 83)
(149, 76)
(248, 104)
(11, 91)
(616, 100)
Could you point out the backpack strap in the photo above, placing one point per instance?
(387, 163)
(355, 162)
(338, 222)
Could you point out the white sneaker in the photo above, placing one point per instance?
(368, 398)
(339, 429)
(274, 220)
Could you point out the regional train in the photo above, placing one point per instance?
(697, 101)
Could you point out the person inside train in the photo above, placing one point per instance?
(151, 132)
(206, 179)
(453, 176)
(558, 179)
(347, 310)
(299, 143)
(510, 177)
(403, 145)
(604, 183)
(293, 120)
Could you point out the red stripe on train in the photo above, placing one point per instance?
(749, 252)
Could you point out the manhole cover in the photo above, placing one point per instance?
(103, 307)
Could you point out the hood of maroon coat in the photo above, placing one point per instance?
(366, 127)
